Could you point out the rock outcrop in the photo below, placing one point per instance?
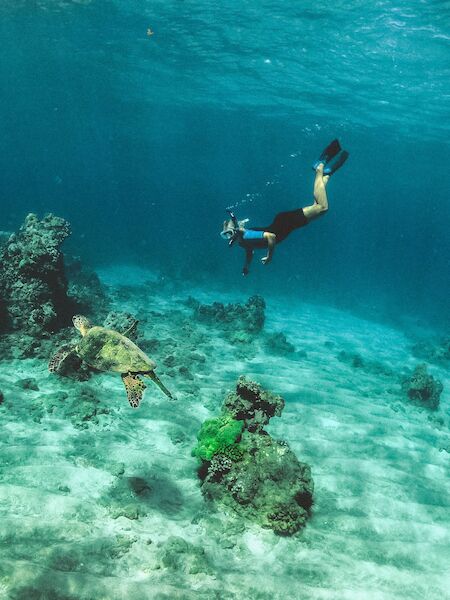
(422, 388)
(244, 469)
(33, 286)
(240, 323)
(40, 289)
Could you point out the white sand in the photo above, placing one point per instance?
(380, 527)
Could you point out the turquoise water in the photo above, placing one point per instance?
(142, 141)
(140, 122)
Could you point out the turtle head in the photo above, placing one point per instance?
(81, 323)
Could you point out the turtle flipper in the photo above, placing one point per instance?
(57, 360)
(151, 375)
(134, 387)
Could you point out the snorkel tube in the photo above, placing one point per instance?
(233, 218)
(236, 227)
(231, 233)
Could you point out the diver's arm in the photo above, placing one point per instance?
(248, 260)
(271, 241)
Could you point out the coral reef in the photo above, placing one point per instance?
(239, 322)
(82, 408)
(435, 350)
(277, 343)
(40, 290)
(356, 361)
(252, 404)
(23, 345)
(248, 471)
(32, 280)
(423, 388)
(4, 237)
(181, 556)
(85, 289)
(123, 322)
(72, 366)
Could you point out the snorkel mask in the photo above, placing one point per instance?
(230, 229)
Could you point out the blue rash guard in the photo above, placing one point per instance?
(250, 234)
(253, 239)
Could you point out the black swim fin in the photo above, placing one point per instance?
(330, 152)
(335, 163)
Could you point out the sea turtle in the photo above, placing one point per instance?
(108, 350)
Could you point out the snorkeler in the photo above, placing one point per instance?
(256, 238)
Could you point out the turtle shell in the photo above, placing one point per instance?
(108, 350)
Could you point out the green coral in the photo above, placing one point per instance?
(217, 435)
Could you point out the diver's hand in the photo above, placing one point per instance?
(245, 271)
(266, 260)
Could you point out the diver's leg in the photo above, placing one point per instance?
(320, 184)
(320, 205)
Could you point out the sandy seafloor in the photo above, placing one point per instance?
(89, 513)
